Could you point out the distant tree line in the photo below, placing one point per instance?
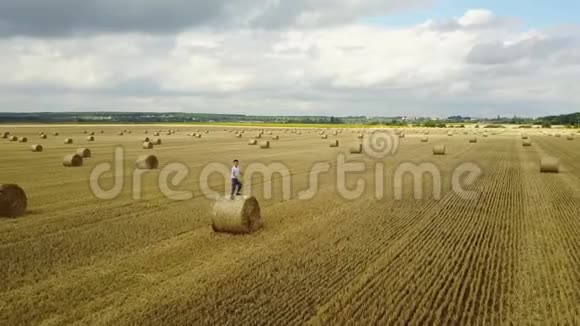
(571, 120)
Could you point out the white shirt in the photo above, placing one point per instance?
(235, 172)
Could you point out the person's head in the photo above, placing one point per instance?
(236, 162)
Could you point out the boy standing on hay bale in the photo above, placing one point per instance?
(236, 184)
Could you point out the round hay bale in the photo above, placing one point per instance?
(253, 142)
(207, 131)
(147, 162)
(439, 150)
(36, 148)
(146, 139)
(558, 135)
(102, 131)
(156, 134)
(91, 138)
(84, 131)
(549, 165)
(23, 139)
(484, 135)
(168, 133)
(120, 134)
(265, 144)
(424, 139)
(360, 136)
(473, 140)
(270, 133)
(157, 141)
(84, 152)
(146, 132)
(527, 142)
(276, 137)
(401, 135)
(570, 137)
(356, 150)
(128, 131)
(13, 201)
(239, 135)
(524, 136)
(55, 134)
(147, 145)
(198, 136)
(68, 141)
(450, 133)
(72, 160)
(239, 215)
(334, 143)
(258, 136)
(92, 133)
(324, 136)
(5, 134)
(43, 136)
(13, 138)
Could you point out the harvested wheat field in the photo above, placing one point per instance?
(509, 254)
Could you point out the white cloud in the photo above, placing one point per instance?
(477, 17)
(350, 68)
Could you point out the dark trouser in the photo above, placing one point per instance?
(236, 184)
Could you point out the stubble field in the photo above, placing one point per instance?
(509, 256)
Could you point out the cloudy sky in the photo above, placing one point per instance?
(291, 57)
